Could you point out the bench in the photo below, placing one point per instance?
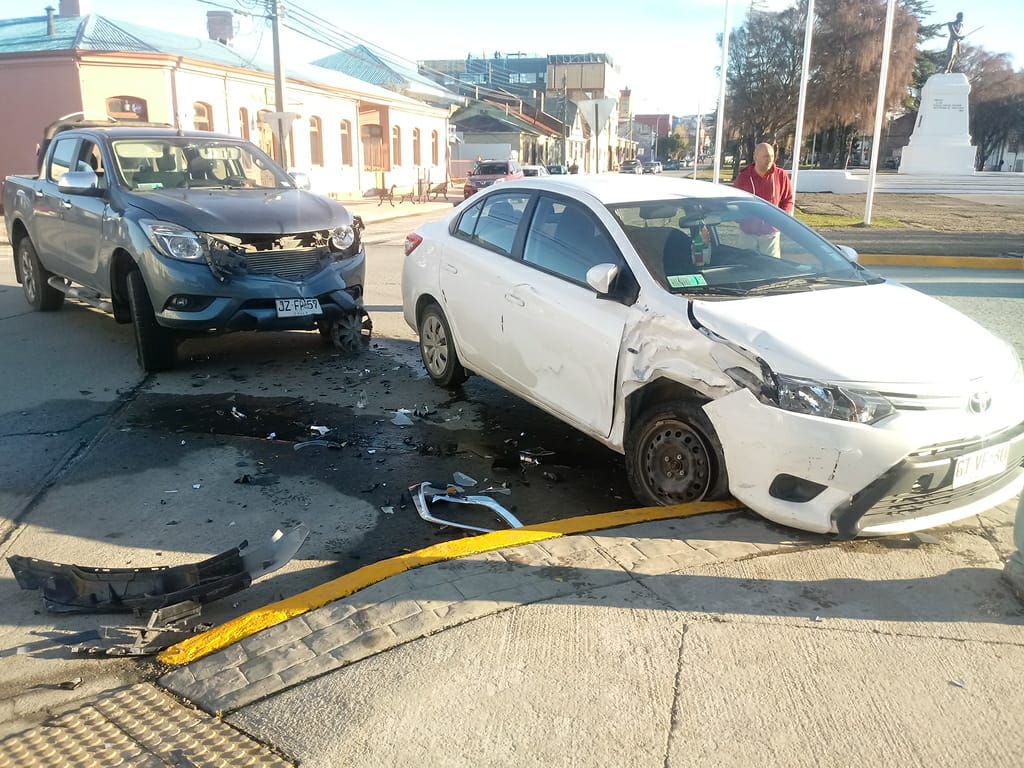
(392, 192)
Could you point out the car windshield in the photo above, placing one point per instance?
(492, 169)
(733, 247)
(150, 164)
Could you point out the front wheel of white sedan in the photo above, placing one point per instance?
(437, 348)
(673, 456)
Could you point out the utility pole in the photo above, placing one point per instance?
(276, 9)
(565, 128)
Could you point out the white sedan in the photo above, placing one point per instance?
(723, 348)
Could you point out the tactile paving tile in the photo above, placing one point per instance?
(136, 727)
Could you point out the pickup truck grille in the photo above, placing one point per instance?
(289, 265)
(290, 257)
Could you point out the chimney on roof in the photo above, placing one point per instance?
(70, 8)
(220, 25)
(49, 21)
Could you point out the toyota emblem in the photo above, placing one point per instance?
(979, 402)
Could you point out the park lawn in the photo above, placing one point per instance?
(838, 221)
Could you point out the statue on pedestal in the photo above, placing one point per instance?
(956, 34)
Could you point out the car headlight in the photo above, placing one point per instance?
(828, 401)
(174, 241)
(343, 237)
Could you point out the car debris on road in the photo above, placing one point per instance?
(426, 496)
(86, 589)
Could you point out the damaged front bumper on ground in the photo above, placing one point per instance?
(85, 589)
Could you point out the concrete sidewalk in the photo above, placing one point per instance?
(720, 639)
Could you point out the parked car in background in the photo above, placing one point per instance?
(488, 172)
(535, 170)
(557, 170)
(724, 348)
(631, 166)
(652, 166)
(671, 165)
(183, 233)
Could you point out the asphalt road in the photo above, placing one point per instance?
(102, 465)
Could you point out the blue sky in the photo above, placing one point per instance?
(666, 50)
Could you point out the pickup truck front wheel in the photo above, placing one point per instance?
(35, 279)
(673, 456)
(157, 347)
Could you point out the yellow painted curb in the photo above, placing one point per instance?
(963, 262)
(248, 624)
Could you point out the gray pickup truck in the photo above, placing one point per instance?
(184, 233)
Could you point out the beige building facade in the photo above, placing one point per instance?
(350, 137)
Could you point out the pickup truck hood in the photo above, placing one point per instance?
(243, 211)
(885, 333)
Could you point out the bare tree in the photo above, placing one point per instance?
(763, 78)
(997, 99)
(845, 61)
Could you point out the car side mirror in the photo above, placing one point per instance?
(601, 276)
(849, 253)
(301, 180)
(80, 183)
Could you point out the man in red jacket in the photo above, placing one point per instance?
(769, 182)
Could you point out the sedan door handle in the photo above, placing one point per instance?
(513, 299)
(451, 268)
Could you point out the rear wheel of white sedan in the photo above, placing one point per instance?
(437, 348)
(673, 456)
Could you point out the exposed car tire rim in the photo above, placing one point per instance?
(437, 349)
(34, 279)
(156, 346)
(350, 333)
(673, 456)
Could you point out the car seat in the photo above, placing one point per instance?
(677, 256)
(503, 210)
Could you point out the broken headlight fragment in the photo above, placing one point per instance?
(428, 499)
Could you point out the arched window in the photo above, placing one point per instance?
(127, 108)
(202, 116)
(346, 142)
(434, 144)
(416, 159)
(373, 147)
(316, 142)
(396, 146)
(243, 123)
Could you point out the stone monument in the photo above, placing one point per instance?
(940, 144)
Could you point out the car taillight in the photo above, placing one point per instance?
(412, 241)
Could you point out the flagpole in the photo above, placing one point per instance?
(876, 138)
(720, 122)
(805, 69)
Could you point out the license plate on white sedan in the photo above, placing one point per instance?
(972, 467)
(298, 307)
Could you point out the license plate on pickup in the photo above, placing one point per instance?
(972, 467)
(298, 307)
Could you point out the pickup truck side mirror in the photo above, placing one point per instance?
(301, 180)
(80, 183)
